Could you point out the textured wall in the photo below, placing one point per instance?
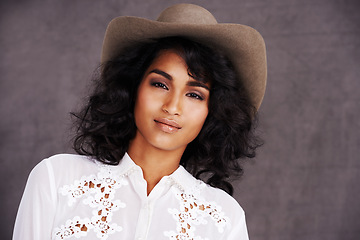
(304, 182)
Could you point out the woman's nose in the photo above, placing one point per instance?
(173, 104)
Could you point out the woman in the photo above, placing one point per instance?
(174, 96)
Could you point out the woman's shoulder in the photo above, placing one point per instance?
(67, 158)
(68, 161)
(63, 167)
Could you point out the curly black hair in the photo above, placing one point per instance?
(106, 124)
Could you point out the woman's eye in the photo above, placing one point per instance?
(196, 96)
(159, 85)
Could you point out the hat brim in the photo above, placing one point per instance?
(243, 45)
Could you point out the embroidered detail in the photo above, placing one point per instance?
(194, 211)
(99, 192)
(76, 227)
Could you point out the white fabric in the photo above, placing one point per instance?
(75, 197)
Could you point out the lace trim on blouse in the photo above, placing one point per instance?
(194, 211)
(98, 193)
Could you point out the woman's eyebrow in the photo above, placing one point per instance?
(162, 73)
(197, 84)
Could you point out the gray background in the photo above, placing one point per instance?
(304, 184)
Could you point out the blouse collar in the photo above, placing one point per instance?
(180, 177)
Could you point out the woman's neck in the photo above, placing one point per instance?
(155, 163)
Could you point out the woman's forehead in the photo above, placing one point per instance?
(197, 70)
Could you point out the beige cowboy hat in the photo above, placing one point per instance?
(243, 45)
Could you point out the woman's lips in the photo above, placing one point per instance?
(166, 125)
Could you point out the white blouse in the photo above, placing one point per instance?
(76, 197)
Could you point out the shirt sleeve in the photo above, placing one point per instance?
(38, 204)
(238, 228)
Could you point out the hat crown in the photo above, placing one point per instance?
(187, 14)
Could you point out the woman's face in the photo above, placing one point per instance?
(171, 107)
